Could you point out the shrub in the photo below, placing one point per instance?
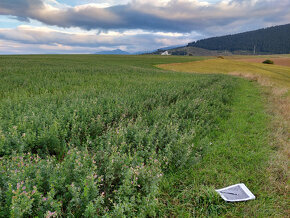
(268, 62)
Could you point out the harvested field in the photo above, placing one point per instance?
(277, 61)
(269, 75)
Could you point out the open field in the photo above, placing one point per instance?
(282, 60)
(277, 61)
(272, 74)
(88, 135)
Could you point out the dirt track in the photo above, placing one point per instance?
(277, 61)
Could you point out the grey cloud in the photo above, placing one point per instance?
(175, 16)
(8, 47)
(20, 8)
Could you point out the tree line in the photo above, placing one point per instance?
(268, 40)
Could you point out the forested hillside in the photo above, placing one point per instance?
(269, 40)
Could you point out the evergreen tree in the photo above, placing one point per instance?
(269, 40)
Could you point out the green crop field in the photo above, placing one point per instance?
(89, 136)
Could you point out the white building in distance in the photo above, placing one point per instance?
(165, 53)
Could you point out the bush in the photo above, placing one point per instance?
(268, 62)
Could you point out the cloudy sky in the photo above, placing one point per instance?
(88, 26)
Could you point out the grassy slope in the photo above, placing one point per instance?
(237, 152)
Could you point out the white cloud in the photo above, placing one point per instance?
(44, 37)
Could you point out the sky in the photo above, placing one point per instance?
(89, 26)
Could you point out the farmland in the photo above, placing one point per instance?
(274, 74)
(88, 135)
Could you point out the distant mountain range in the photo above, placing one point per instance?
(114, 52)
(121, 52)
(272, 40)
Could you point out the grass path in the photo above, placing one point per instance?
(239, 153)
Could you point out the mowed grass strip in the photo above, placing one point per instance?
(276, 81)
(239, 153)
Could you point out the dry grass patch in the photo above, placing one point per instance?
(274, 75)
(277, 61)
(279, 108)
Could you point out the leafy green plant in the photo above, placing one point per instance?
(91, 141)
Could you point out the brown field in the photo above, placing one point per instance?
(285, 61)
(266, 74)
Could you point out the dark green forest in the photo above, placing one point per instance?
(269, 40)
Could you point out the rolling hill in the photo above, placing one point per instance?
(191, 51)
(272, 40)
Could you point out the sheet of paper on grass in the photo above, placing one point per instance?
(234, 193)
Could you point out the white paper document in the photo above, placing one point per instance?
(235, 193)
